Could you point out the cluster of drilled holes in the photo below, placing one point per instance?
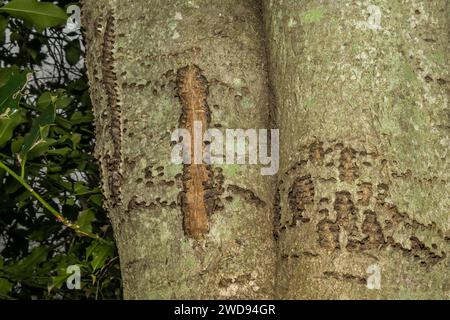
(300, 195)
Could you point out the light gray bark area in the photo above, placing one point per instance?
(361, 90)
(153, 39)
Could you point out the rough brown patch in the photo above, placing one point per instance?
(248, 195)
(374, 233)
(345, 277)
(300, 195)
(365, 193)
(316, 153)
(348, 170)
(328, 234)
(109, 80)
(192, 90)
(347, 213)
(213, 190)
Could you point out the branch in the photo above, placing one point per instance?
(52, 210)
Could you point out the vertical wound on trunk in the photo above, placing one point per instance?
(109, 80)
(192, 90)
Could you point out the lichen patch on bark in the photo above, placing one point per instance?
(109, 80)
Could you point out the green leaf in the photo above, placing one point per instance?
(22, 199)
(81, 189)
(58, 281)
(63, 102)
(12, 81)
(8, 122)
(85, 219)
(73, 52)
(5, 286)
(79, 118)
(32, 52)
(44, 100)
(60, 278)
(56, 178)
(12, 186)
(40, 148)
(36, 138)
(77, 85)
(5, 74)
(75, 138)
(85, 99)
(41, 14)
(16, 145)
(100, 252)
(3, 25)
(24, 268)
(66, 124)
(39, 234)
(54, 169)
(60, 152)
(97, 199)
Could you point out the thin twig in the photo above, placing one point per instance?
(53, 211)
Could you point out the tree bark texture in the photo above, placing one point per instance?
(359, 91)
(137, 55)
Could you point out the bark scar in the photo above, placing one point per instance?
(193, 90)
(109, 80)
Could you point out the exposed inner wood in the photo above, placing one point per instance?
(192, 91)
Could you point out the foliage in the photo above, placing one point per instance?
(50, 197)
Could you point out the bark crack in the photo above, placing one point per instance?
(109, 80)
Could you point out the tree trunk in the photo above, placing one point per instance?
(362, 97)
(148, 63)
